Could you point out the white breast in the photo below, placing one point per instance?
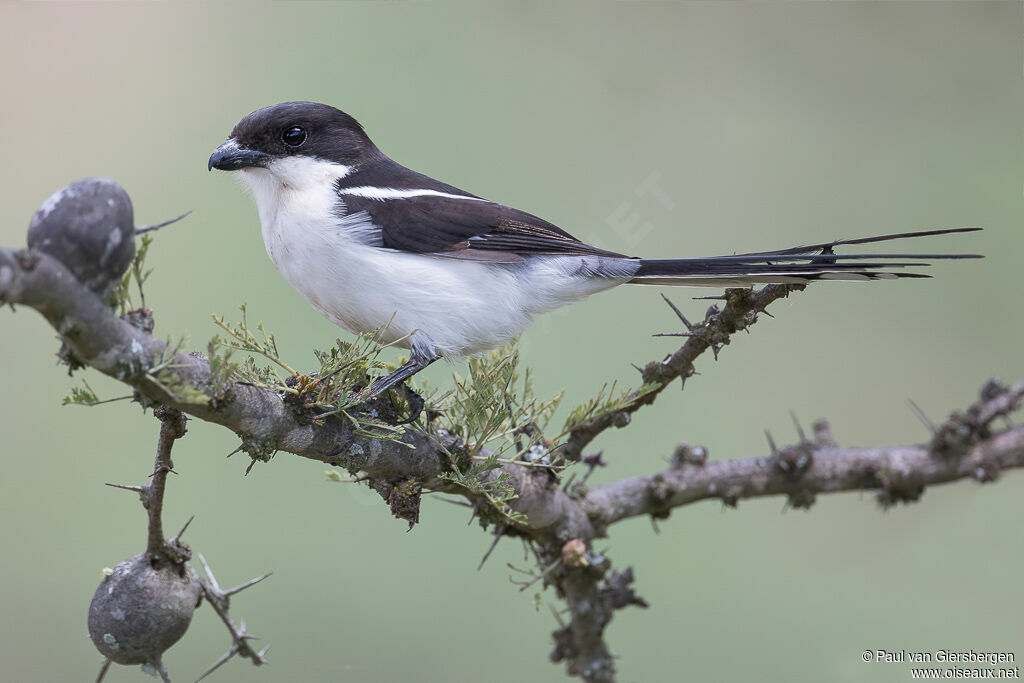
(453, 306)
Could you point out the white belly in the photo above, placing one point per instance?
(457, 307)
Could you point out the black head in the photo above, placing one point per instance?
(294, 129)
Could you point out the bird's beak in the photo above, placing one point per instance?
(231, 156)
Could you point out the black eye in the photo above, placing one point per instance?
(294, 136)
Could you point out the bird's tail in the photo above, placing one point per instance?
(798, 265)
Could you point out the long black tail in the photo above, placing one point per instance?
(797, 265)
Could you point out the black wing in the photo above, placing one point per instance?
(471, 228)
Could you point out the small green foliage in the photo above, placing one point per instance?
(83, 396)
(333, 390)
(222, 370)
(241, 338)
(493, 408)
(482, 403)
(162, 372)
(497, 491)
(121, 296)
(605, 402)
(496, 405)
(345, 367)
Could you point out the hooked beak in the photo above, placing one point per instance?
(231, 156)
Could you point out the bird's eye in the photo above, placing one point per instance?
(294, 136)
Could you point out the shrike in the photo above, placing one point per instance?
(373, 245)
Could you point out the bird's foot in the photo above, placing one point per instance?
(393, 380)
(412, 398)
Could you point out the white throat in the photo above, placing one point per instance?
(304, 183)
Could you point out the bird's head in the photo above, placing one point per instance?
(284, 138)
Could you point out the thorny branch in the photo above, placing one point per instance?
(220, 600)
(963, 447)
(172, 427)
(714, 332)
(560, 525)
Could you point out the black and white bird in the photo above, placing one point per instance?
(373, 245)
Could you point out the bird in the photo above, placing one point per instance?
(379, 248)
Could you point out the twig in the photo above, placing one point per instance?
(156, 226)
(499, 532)
(544, 572)
(740, 311)
(899, 473)
(219, 599)
(172, 427)
(103, 670)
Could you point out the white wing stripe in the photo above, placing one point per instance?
(383, 193)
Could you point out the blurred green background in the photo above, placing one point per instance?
(765, 125)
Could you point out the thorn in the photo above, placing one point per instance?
(177, 536)
(771, 445)
(799, 429)
(637, 368)
(162, 468)
(556, 615)
(720, 297)
(252, 463)
(765, 311)
(545, 572)
(675, 334)
(242, 586)
(454, 501)
(240, 446)
(243, 636)
(103, 670)
(932, 427)
(156, 226)
(715, 348)
(594, 459)
(313, 385)
(261, 655)
(219, 663)
(497, 537)
(679, 313)
(137, 489)
(209, 574)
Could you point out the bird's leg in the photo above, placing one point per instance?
(393, 379)
(382, 384)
